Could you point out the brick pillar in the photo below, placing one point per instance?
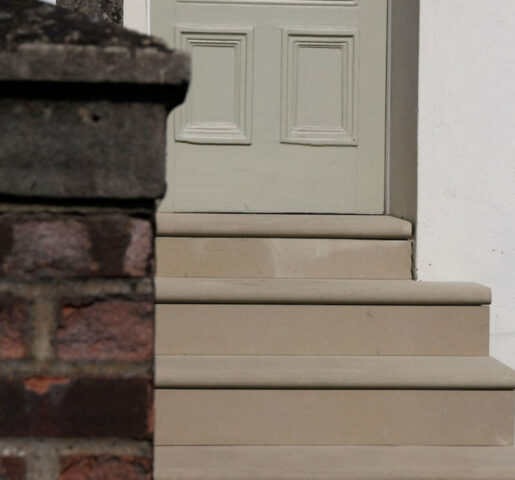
(83, 109)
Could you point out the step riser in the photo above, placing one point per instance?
(334, 417)
(283, 258)
(192, 329)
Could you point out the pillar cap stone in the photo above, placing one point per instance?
(83, 106)
(39, 42)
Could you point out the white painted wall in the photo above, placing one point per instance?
(466, 186)
(136, 15)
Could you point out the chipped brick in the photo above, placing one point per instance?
(110, 329)
(103, 467)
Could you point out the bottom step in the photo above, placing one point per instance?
(334, 463)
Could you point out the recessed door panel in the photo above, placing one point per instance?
(221, 60)
(320, 91)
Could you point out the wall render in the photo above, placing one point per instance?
(466, 172)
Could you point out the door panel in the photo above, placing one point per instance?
(220, 109)
(286, 111)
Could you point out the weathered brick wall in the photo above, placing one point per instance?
(76, 342)
(76, 334)
(81, 165)
(108, 10)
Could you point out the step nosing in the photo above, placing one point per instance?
(319, 291)
(333, 372)
(283, 226)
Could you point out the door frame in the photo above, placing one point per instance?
(401, 99)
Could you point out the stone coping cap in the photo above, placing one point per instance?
(40, 42)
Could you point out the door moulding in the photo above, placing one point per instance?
(402, 114)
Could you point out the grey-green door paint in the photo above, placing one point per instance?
(286, 111)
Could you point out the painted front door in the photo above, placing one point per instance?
(286, 111)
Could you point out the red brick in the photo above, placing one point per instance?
(82, 407)
(139, 256)
(67, 246)
(14, 328)
(110, 329)
(48, 247)
(105, 467)
(122, 245)
(12, 468)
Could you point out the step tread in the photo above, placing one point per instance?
(287, 225)
(334, 463)
(319, 291)
(342, 372)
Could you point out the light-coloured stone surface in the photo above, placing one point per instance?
(319, 291)
(283, 258)
(284, 225)
(320, 330)
(335, 463)
(334, 417)
(294, 371)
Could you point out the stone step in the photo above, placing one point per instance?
(283, 258)
(198, 329)
(334, 463)
(242, 416)
(283, 225)
(319, 291)
(260, 400)
(332, 372)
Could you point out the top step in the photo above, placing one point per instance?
(284, 225)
